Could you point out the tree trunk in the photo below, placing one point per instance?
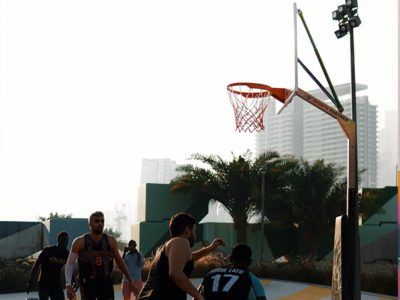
(240, 225)
(311, 242)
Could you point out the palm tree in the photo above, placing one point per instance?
(317, 195)
(277, 185)
(234, 184)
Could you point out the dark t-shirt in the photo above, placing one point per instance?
(52, 259)
(158, 284)
(231, 282)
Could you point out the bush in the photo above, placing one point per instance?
(14, 274)
(379, 278)
(302, 270)
(209, 262)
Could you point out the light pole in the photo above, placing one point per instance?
(348, 18)
(262, 213)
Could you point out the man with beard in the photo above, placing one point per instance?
(174, 262)
(96, 252)
(51, 260)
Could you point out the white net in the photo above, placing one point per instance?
(249, 105)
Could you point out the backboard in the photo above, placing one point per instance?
(296, 77)
(295, 58)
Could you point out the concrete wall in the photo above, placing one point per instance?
(155, 207)
(21, 239)
(227, 232)
(74, 226)
(383, 249)
(8, 228)
(24, 242)
(379, 236)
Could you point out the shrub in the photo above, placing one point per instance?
(302, 271)
(209, 262)
(14, 274)
(379, 278)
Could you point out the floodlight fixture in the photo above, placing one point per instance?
(352, 3)
(335, 15)
(340, 13)
(340, 34)
(354, 21)
(344, 28)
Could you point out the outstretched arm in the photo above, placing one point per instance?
(206, 250)
(77, 246)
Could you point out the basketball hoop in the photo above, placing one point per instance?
(249, 101)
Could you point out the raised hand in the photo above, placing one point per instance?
(217, 242)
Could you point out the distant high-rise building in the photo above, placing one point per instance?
(283, 132)
(304, 131)
(158, 170)
(388, 141)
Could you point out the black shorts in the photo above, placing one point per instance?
(54, 293)
(97, 289)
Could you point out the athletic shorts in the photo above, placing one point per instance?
(97, 289)
(126, 290)
(51, 293)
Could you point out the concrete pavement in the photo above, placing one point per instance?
(274, 289)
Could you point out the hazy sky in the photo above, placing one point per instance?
(89, 88)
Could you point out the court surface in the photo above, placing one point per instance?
(275, 290)
(289, 290)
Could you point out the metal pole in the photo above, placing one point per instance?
(349, 128)
(262, 214)
(352, 203)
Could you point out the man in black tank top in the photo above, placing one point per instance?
(96, 252)
(174, 262)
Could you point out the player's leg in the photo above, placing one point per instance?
(56, 293)
(88, 290)
(105, 289)
(126, 290)
(139, 285)
(43, 294)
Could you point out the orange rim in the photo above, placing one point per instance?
(278, 93)
(259, 86)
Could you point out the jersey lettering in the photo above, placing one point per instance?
(99, 261)
(58, 260)
(227, 286)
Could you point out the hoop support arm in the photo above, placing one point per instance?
(348, 126)
(336, 102)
